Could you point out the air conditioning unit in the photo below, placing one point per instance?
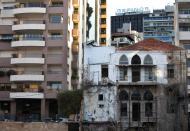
(104, 81)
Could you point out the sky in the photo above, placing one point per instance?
(152, 4)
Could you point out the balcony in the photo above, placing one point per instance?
(27, 61)
(184, 16)
(75, 17)
(28, 41)
(184, 35)
(75, 33)
(30, 8)
(188, 89)
(76, 3)
(28, 95)
(27, 77)
(29, 25)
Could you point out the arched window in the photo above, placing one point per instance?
(148, 60)
(148, 95)
(123, 60)
(136, 60)
(123, 96)
(136, 96)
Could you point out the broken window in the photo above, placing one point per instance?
(123, 96)
(136, 112)
(148, 95)
(104, 70)
(170, 70)
(123, 109)
(100, 97)
(148, 109)
(101, 106)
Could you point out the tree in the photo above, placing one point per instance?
(69, 102)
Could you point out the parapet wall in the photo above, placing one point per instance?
(32, 126)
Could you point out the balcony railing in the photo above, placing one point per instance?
(30, 5)
(28, 37)
(55, 37)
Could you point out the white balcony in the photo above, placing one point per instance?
(27, 61)
(28, 43)
(184, 35)
(27, 77)
(28, 95)
(28, 27)
(30, 10)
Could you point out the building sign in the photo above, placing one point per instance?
(141, 10)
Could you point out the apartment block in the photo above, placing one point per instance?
(39, 50)
(182, 39)
(160, 25)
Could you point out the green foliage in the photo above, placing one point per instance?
(69, 102)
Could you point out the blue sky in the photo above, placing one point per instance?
(152, 4)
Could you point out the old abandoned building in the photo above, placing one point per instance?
(141, 87)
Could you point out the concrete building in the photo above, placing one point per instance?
(39, 49)
(136, 87)
(136, 20)
(182, 32)
(125, 36)
(160, 25)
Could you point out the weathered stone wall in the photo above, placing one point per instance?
(32, 126)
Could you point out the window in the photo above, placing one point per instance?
(148, 95)
(123, 74)
(170, 69)
(123, 96)
(55, 85)
(103, 31)
(103, 40)
(55, 18)
(57, 3)
(104, 71)
(148, 60)
(101, 106)
(186, 46)
(136, 96)
(136, 112)
(123, 109)
(149, 75)
(100, 97)
(136, 60)
(148, 109)
(188, 62)
(123, 60)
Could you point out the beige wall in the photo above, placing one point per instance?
(37, 126)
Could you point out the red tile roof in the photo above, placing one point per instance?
(150, 45)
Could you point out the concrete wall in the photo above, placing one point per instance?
(92, 110)
(37, 126)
